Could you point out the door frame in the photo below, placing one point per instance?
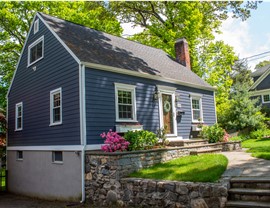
(168, 91)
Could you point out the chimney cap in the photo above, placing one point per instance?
(181, 40)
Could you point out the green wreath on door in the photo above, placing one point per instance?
(166, 106)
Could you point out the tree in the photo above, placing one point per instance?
(197, 21)
(244, 112)
(165, 21)
(15, 20)
(262, 64)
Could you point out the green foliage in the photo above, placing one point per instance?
(244, 114)
(262, 64)
(141, 140)
(166, 21)
(259, 148)
(161, 134)
(213, 133)
(201, 168)
(15, 21)
(259, 134)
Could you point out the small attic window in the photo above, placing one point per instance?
(36, 26)
(36, 51)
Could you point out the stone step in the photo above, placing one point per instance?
(188, 142)
(251, 182)
(247, 204)
(245, 194)
(205, 151)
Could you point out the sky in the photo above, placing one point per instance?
(248, 38)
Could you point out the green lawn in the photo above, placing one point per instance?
(259, 148)
(202, 168)
(2, 180)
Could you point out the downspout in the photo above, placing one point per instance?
(82, 126)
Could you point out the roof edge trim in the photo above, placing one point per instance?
(59, 39)
(26, 40)
(145, 75)
(260, 79)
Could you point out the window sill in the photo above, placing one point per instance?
(20, 160)
(31, 64)
(127, 121)
(18, 129)
(58, 162)
(56, 124)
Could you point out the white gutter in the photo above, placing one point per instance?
(82, 125)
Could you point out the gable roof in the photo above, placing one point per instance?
(96, 47)
(262, 73)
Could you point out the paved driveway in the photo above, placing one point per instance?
(15, 201)
(242, 164)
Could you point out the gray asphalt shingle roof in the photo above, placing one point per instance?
(260, 71)
(97, 47)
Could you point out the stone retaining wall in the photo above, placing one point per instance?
(104, 173)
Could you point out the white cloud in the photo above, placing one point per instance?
(129, 29)
(239, 35)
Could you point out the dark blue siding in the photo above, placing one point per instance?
(265, 84)
(56, 69)
(100, 104)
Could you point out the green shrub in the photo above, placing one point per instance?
(161, 134)
(141, 140)
(213, 133)
(259, 134)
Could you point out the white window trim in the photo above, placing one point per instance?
(17, 155)
(16, 116)
(169, 91)
(132, 89)
(263, 98)
(36, 26)
(51, 106)
(31, 46)
(197, 97)
(57, 161)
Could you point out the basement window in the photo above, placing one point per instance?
(19, 155)
(57, 157)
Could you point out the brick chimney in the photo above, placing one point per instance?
(181, 52)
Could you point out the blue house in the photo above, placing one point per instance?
(72, 83)
(261, 85)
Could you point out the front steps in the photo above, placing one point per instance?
(200, 146)
(206, 151)
(249, 192)
(187, 143)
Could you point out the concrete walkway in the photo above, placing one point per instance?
(242, 164)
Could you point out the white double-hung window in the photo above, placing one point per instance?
(125, 102)
(196, 107)
(19, 117)
(36, 51)
(56, 107)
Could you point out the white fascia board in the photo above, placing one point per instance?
(145, 75)
(46, 148)
(59, 39)
(261, 78)
(259, 92)
(26, 40)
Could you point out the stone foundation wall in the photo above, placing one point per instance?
(105, 172)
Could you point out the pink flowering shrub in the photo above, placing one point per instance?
(113, 142)
(226, 136)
